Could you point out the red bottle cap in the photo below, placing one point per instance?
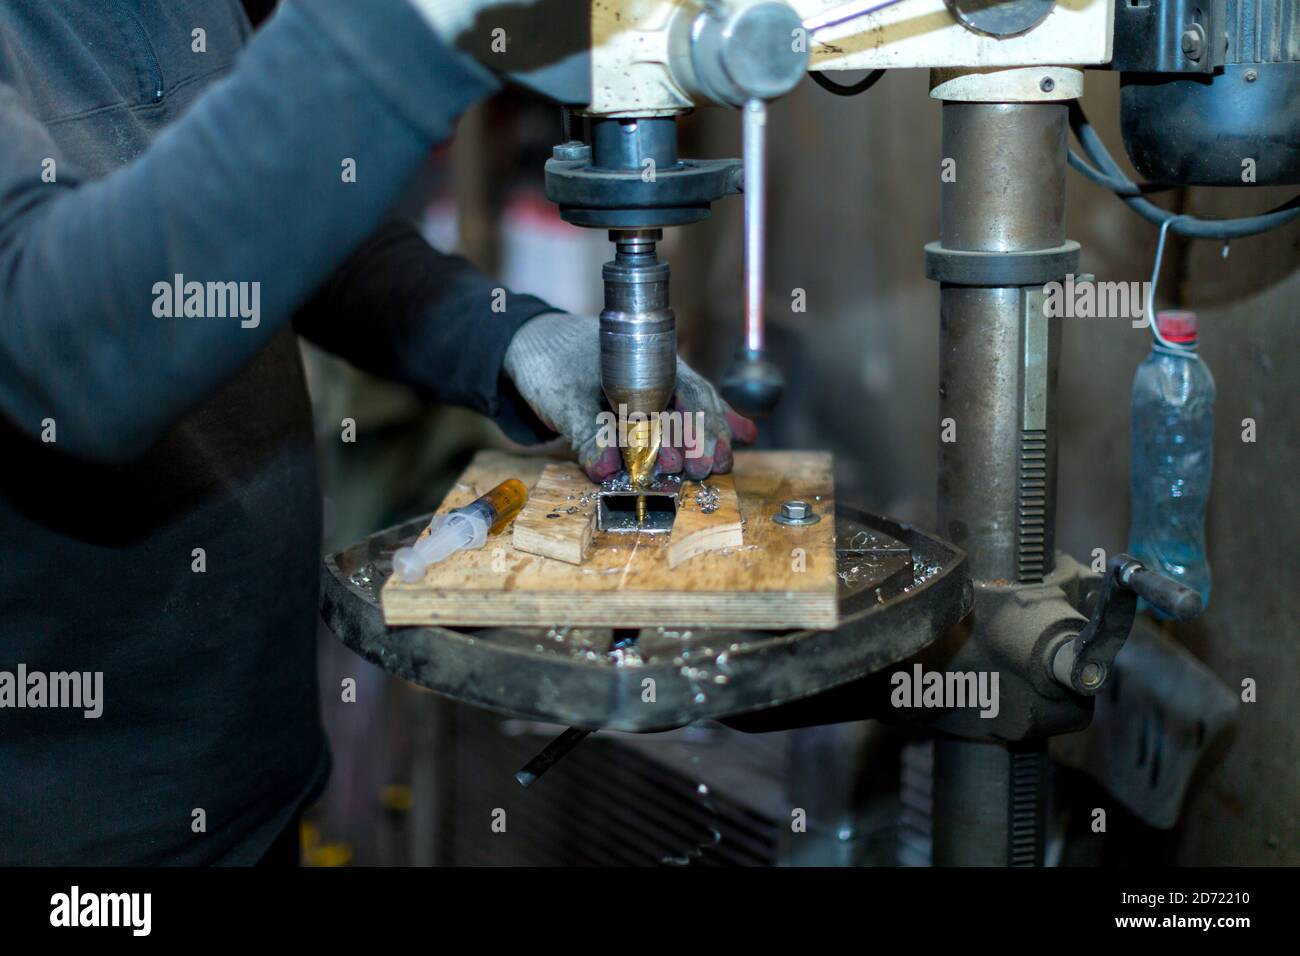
(1176, 325)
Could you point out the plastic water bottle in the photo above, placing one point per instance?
(1171, 457)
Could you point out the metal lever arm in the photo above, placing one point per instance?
(1163, 592)
(753, 385)
(754, 118)
(1084, 663)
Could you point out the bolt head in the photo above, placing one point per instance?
(797, 513)
(1047, 84)
(1251, 76)
(1092, 675)
(1191, 43)
(795, 510)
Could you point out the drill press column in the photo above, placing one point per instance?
(638, 347)
(997, 481)
(1002, 235)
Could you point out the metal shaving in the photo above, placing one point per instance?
(625, 657)
(863, 541)
(571, 510)
(923, 572)
(621, 483)
(708, 499)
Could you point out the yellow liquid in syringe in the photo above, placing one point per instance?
(506, 500)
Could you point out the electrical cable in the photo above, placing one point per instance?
(1116, 186)
(1122, 187)
(1108, 173)
(847, 89)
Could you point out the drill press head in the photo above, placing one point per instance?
(630, 180)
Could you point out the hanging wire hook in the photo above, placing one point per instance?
(1151, 293)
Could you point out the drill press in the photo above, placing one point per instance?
(1004, 72)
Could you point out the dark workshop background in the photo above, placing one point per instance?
(854, 196)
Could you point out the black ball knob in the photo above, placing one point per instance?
(753, 386)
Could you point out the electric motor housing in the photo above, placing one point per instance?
(1210, 90)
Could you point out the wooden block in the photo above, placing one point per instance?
(626, 580)
(560, 516)
(708, 519)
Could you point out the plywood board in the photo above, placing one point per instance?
(778, 577)
(708, 519)
(560, 516)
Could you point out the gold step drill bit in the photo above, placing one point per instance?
(639, 455)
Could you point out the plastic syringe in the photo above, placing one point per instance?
(461, 529)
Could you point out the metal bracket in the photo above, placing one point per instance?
(1170, 36)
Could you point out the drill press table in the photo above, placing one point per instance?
(658, 677)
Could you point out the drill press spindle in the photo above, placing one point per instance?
(638, 348)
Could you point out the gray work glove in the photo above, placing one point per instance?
(554, 361)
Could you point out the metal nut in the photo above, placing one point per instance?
(796, 512)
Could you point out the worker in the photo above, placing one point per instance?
(179, 199)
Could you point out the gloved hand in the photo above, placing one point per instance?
(554, 361)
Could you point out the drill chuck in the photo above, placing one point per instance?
(638, 333)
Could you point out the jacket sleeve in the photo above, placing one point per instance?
(247, 187)
(403, 310)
